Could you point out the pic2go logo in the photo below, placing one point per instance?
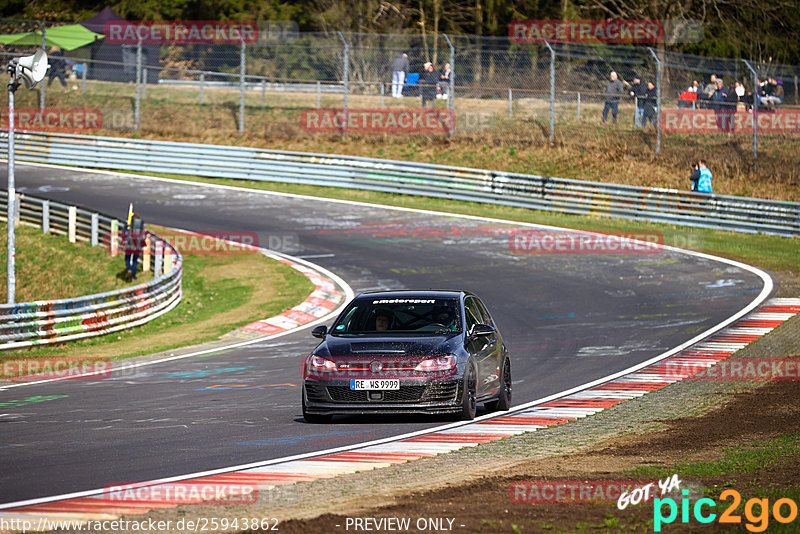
(756, 511)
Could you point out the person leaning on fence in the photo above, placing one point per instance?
(704, 182)
(708, 92)
(133, 242)
(722, 106)
(400, 68)
(58, 67)
(650, 105)
(773, 94)
(427, 84)
(637, 91)
(614, 91)
(445, 78)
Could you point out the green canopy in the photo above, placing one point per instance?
(67, 37)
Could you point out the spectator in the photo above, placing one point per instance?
(57, 66)
(427, 84)
(773, 94)
(134, 244)
(695, 176)
(444, 81)
(688, 98)
(638, 91)
(614, 91)
(400, 68)
(650, 104)
(708, 92)
(721, 106)
(704, 182)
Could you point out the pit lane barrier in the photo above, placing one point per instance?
(669, 206)
(55, 321)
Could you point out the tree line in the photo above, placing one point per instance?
(756, 29)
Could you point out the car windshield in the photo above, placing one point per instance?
(378, 316)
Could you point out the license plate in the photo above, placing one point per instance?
(374, 385)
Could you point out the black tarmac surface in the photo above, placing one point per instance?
(567, 319)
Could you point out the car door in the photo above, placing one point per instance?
(482, 349)
(496, 341)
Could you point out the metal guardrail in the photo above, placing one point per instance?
(511, 189)
(56, 321)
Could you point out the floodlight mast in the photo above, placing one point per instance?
(37, 66)
(11, 279)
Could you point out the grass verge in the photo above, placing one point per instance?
(79, 268)
(220, 293)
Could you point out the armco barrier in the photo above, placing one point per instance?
(52, 321)
(511, 189)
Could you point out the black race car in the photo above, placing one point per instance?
(388, 352)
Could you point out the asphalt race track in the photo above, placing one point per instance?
(567, 319)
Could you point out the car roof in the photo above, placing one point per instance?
(414, 293)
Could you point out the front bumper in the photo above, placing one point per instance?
(332, 397)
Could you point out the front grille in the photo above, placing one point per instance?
(345, 394)
(405, 394)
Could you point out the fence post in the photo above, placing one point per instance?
(241, 89)
(658, 100)
(167, 255)
(755, 114)
(113, 242)
(144, 83)
(83, 78)
(159, 258)
(44, 47)
(263, 92)
(345, 75)
(138, 85)
(382, 91)
(46, 217)
(318, 94)
(202, 84)
(72, 226)
(579, 107)
(147, 253)
(552, 91)
(510, 102)
(95, 226)
(451, 102)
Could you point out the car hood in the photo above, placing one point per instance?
(397, 346)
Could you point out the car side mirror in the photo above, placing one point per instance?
(482, 330)
(320, 331)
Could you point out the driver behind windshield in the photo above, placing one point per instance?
(383, 318)
(444, 316)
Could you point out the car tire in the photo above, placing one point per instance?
(503, 402)
(314, 417)
(469, 394)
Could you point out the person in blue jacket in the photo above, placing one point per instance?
(704, 183)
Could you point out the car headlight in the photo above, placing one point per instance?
(320, 364)
(440, 363)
